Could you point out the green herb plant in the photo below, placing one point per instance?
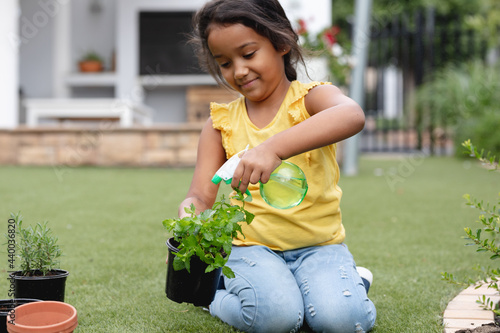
(486, 238)
(91, 56)
(209, 234)
(36, 247)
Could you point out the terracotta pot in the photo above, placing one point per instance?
(43, 317)
(6, 305)
(90, 66)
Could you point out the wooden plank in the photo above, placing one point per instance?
(464, 312)
(464, 323)
(483, 290)
(468, 314)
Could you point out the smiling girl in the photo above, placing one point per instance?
(292, 265)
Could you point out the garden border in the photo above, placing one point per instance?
(464, 313)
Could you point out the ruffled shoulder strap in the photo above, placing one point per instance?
(220, 114)
(294, 101)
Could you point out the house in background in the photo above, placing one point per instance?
(150, 92)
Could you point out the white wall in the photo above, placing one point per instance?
(36, 50)
(9, 64)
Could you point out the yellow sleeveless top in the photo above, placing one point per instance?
(317, 220)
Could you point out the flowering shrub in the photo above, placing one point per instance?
(332, 44)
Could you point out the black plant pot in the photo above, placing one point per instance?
(6, 305)
(197, 287)
(48, 288)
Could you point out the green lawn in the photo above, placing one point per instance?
(404, 219)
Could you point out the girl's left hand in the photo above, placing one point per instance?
(256, 165)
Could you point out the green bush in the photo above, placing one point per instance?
(482, 130)
(464, 98)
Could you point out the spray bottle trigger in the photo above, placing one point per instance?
(217, 180)
(247, 192)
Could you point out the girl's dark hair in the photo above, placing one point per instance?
(266, 17)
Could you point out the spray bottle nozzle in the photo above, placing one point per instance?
(226, 171)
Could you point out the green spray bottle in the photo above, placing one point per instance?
(286, 188)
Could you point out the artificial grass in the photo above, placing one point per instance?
(404, 219)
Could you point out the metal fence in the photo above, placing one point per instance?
(403, 54)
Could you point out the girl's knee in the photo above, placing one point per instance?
(344, 318)
(341, 324)
(251, 311)
(275, 314)
(284, 319)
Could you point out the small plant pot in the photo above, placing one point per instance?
(197, 287)
(90, 66)
(48, 288)
(43, 317)
(6, 305)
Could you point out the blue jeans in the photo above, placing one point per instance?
(275, 291)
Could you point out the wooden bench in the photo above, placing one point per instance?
(126, 112)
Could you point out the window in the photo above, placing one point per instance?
(163, 47)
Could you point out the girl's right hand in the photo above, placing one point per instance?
(256, 165)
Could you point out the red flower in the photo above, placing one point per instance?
(302, 27)
(335, 29)
(330, 35)
(330, 38)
